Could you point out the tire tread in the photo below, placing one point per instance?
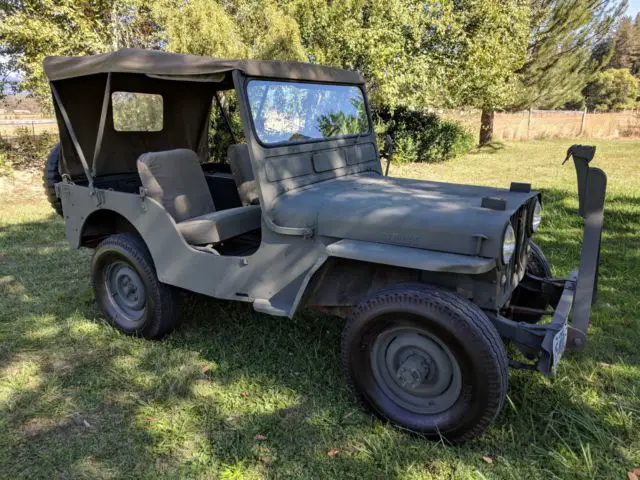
(51, 176)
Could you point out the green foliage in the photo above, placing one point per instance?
(419, 54)
(137, 112)
(220, 137)
(26, 151)
(626, 51)
(6, 169)
(424, 137)
(334, 124)
(230, 29)
(413, 54)
(613, 89)
(30, 30)
(559, 55)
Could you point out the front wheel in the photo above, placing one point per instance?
(127, 288)
(426, 360)
(538, 265)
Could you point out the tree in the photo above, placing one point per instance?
(231, 29)
(613, 89)
(559, 62)
(626, 51)
(420, 54)
(6, 68)
(30, 30)
(413, 54)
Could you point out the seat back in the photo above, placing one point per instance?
(240, 163)
(175, 179)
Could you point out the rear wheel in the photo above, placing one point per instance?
(426, 360)
(51, 176)
(128, 290)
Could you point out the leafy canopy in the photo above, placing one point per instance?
(613, 89)
(414, 54)
(30, 30)
(559, 60)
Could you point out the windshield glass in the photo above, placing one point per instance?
(293, 111)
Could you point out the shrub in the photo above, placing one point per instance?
(26, 151)
(612, 90)
(5, 167)
(425, 137)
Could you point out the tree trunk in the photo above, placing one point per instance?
(486, 126)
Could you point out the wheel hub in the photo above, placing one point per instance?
(126, 291)
(416, 370)
(413, 371)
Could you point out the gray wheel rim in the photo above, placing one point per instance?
(416, 370)
(126, 293)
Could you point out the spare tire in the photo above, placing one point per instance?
(51, 176)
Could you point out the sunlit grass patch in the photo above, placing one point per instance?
(236, 394)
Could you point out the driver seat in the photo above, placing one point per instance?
(174, 178)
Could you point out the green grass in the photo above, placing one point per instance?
(80, 400)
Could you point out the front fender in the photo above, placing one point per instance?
(409, 257)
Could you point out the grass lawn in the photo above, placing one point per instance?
(236, 394)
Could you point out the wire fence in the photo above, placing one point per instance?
(546, 124)
(14, 127)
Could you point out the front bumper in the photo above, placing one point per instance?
(547, 342)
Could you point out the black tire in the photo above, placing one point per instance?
(460, 328)
(148, 308)
(51, 176)
(538, 265)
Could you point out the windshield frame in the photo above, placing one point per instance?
(287, 143)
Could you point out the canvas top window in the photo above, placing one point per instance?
(137, 112)
(284, 112)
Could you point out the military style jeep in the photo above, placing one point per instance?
(435, 278)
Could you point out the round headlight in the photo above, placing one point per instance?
(536, 218)
(508, 244)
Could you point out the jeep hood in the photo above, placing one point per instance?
(422, 214)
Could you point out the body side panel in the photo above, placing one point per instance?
(281, 260)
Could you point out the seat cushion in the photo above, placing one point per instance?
(174, 178)
(218, 226)
(240, 163)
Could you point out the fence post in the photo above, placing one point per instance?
(584, 121)
(529, 125)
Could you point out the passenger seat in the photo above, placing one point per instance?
(240, 163)
(174, 178)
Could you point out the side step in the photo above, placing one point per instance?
(263, 305)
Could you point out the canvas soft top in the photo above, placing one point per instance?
(155, 62)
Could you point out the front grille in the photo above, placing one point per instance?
(517, 264)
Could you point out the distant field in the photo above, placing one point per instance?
(234, 394)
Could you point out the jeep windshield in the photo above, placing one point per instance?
(284, 112)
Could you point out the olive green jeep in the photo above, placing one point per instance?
(434, 278)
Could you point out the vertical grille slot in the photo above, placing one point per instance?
(518, 262)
